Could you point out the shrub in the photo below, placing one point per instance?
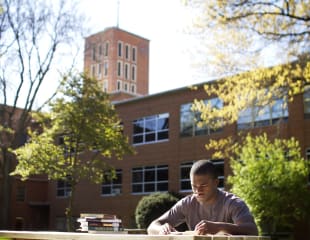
(152, 206)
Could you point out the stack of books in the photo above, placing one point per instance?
(100, 223)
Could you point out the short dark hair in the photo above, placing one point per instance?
(204, 167)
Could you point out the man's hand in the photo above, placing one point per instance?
(166, 229)
(204, 227)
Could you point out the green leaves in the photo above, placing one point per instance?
(272, 178)
(83, 131)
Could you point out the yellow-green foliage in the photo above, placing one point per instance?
(271, 176)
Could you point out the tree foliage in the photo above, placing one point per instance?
(236, 33)
(271, 176)
(83, 131)
(33, 35)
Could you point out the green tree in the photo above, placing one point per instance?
(90, 130)
(271, 176)
(33, 35)
(252, 26)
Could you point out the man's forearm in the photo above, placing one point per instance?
(238, 229)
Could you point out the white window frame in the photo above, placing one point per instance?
(119, 68)
(133, 88)
(105, 85)
(133, 72)
(126, 88)
(185, 167)
(127, 51)
(120, 49)
(119, 85)
(267, 115)
(65, 188)
(144, 182)
(134, 54)
(188, 165)
(106, 49)
(105, 68)
(127, 71)
(114, 187)
(147, 135)
(188, 119)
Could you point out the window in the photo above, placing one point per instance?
(306, 97)
(120, 49)
(106, 49)
(99, 70)
(191, 123)
(93, 70)
(219, 163)
(126, 87)
(94, 53)
(308, 159)
(133, 88)
(119, 68)
(112, 186)
(20, 193)
(133, 72)
(150, 179)
(63, 188)
(263, 115)
(134, 52)
(127, 51)
(105, 85)
(105, 71)
(185, 182)
(126, 71)
(151, 129)
(119, 85)
(100, 49)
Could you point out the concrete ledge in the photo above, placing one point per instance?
(94, 236)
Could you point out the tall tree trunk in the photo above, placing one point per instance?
(5, 189)
(69, 210)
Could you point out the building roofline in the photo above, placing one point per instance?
(119, 29)
(141, 98)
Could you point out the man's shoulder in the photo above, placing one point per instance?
(229, 197)
(187, 200)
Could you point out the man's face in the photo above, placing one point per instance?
(204, 187)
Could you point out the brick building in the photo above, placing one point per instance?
(162, 130)
(120, 62)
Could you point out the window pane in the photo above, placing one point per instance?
(106, 190)
(150, 175)
(162, 135)
(138, 139)
(137, 177)
(149, 187)
(162, 175)
(186, 185)
(150, 128)
(150, 125)
(150, 137)
(185, 172)
(162, 186)
(162, 123)
(137, 188)
(118, 179)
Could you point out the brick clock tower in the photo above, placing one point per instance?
(120, 62)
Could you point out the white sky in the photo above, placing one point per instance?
(163, 23)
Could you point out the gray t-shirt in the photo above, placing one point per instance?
(227, 208)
